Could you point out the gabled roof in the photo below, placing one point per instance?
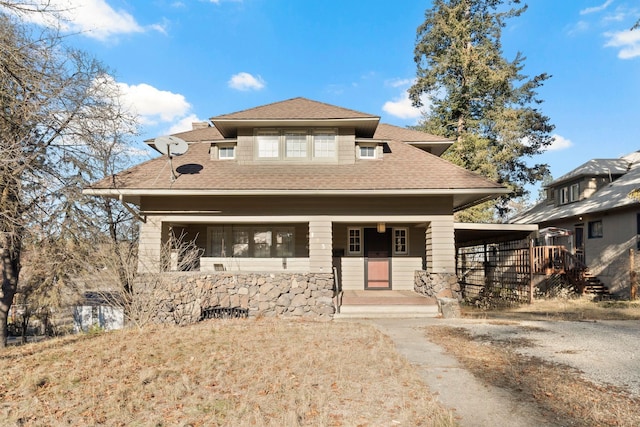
(296, 112)
(612, 196)
(595, 167)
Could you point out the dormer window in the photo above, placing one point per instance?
(296, 144)
(569, 194)
(367, 152)
(324, 144)
(227, 153)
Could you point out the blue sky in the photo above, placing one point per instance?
(184, 61)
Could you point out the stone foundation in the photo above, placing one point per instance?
(180, 297)
(437, 285)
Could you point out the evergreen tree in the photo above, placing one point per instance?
(478, 97)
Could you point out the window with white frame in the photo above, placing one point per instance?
(574, 192)
(354, 245)
(227, 152)
(295, 144)
(324, 145)
(268, 145)
(367, 151)
(400, 241)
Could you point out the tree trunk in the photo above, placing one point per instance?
(10, 270)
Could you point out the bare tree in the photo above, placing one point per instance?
(58, 107)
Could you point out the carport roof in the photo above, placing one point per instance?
(469, 234)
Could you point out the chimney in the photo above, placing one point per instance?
(199, 125)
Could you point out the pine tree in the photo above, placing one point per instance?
(479, 98)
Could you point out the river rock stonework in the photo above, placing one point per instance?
(437, 285)
(181, 297)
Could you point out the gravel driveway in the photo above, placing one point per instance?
(606, 351)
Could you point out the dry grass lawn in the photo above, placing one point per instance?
(258, 372)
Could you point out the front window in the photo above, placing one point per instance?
(284, 243)
(595, 229)
(240, 243)
(262, 243)
(324, 145)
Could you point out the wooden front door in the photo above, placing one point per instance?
(377, 247)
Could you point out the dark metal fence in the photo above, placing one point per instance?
(500, 271)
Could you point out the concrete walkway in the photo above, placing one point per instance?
(474, 403)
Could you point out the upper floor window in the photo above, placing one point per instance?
(324, 145)
(569, 194)
(268, 145)
(367, 152)
(292, 144)
(228, 152)
(295, 144)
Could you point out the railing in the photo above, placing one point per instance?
(558, 260)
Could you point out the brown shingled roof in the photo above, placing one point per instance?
(295, 108)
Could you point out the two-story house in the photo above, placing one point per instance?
(592, 204)
(303, 187)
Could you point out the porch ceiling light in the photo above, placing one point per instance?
(382, 227)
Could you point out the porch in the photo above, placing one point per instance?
(386, 303)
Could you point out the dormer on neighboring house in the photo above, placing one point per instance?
(582, 182)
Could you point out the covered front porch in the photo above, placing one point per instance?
(364, 253)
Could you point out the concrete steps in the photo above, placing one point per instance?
(386, 304)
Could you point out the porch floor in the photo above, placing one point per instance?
(386, 303)
(385, 297)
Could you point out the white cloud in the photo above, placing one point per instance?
(245, 81)
(401, 107)
(559, 143)
(399, 82)
(154, 105)
(92, 18)
(628, 42)
(184, 124)
(595, 9)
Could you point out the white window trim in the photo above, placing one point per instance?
(406, 242)
(227, 146)
(360, 243)
(374, 152)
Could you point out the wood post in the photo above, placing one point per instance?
(633, 276)
(531, 261)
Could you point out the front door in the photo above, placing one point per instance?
(377, 247)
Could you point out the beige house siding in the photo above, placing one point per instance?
(293, 265)
(320, 259)
(403, 271)
(441, 245)
(149, 245)
(352, 273)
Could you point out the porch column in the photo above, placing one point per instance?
(320, 245)
(440, 246)
(150, 245)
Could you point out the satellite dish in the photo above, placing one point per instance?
(171, 145)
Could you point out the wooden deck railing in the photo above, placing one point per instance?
(558, 260)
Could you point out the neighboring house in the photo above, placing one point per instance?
(98, 310)
(305, 187)
(591, 205)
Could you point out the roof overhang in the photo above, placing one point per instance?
(462, 198)
(365, 126)
(436, 148)
(469, 234)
